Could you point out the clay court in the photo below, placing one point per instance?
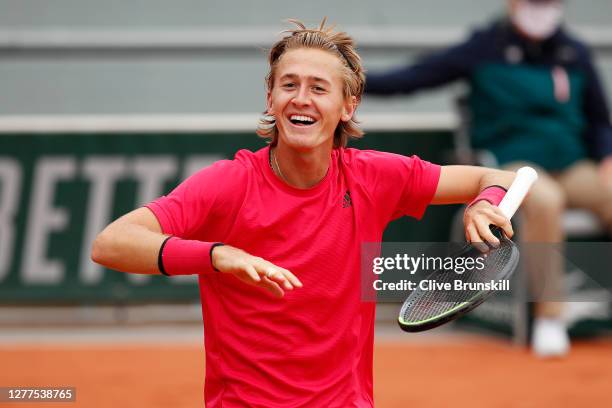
(441, 371)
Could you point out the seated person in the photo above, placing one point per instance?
(535, 99)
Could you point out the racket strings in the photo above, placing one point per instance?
(426, 304)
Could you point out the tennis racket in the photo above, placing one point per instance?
(425, 309)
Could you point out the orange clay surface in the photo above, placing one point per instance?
(474, 373)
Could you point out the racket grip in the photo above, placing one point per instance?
(525, 177)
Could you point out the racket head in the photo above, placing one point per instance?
(426, 309)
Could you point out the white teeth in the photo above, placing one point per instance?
(302, 118)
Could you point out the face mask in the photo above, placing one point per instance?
(538, 20)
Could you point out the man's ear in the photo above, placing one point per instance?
(269, 103)
(348, 109)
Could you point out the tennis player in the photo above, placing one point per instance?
(275, 235)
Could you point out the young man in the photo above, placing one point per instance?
(535, 99)
(292, 217)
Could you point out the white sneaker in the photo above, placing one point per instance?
(549, 338)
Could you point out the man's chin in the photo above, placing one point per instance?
(302, 142)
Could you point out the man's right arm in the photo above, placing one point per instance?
(131, 243)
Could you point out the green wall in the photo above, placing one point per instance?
(58, 191)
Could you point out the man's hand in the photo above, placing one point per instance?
(479, 217)
(253, 270)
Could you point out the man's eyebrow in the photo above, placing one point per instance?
(313, 78)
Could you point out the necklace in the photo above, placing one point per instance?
(278, 170)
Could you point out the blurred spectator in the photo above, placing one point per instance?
(534, 98)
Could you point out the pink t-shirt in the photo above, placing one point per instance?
(314, 347)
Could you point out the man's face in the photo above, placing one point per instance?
(307, 98)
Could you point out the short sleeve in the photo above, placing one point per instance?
(201, 202)
(400, 185)
(419, 181)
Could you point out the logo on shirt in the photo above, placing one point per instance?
(346, 201)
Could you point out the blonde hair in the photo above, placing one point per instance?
(326, 39)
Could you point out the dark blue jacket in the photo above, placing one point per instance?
(515, 105)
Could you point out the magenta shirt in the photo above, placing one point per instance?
(314, 347)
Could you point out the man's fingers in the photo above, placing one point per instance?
(477, 226)
(507, 228)
(475, 239)
(472, 234)
(250, 270)
(272, 287)
(292, 278)
(502, 221)
(255, 270)
(485, 233)
(275, 274)
(497, 217)
(280, 275)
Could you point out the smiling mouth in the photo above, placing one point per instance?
(302, 120)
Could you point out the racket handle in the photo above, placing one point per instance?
(525, 177)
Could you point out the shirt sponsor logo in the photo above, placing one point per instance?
(346, 201)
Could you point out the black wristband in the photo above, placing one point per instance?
(160, 261)
(216, 244)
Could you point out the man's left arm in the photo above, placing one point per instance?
(462, 184)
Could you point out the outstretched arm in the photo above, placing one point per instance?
(132, 244)
(429, 72)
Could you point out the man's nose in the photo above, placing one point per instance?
(302, 97)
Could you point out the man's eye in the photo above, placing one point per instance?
(318, 89)
(289, 85)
